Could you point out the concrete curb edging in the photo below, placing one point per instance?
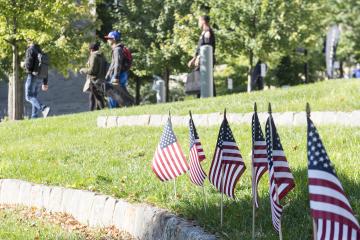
(96, 210)
(351, 119)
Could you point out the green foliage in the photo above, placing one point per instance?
(346, 14)
(61, 27)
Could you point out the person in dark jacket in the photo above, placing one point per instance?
(95, 72)
(117, 76)
(207, 37)
(33, 83)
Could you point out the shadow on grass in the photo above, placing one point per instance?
(296, 220)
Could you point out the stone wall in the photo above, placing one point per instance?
(96, 210)
(65, 95)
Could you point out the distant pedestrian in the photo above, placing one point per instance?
(257, 76)
(356, 72)
(95, 78)
(36, 67)
(207, 37)
(118, 73)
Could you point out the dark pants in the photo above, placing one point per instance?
(96, 97)
(257, 83)
(32, 87)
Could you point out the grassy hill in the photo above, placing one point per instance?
(70, 151)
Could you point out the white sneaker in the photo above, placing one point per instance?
(45, 112)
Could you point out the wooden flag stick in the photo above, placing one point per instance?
(278, 202)
(222, 197)
(314, 229)
(205, 200)
(253, 182)
(276, 187)
(175, 187)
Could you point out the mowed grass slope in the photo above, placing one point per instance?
(333, 95)
(70, 151)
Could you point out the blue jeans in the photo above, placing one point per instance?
(123, 82)
(32, 87)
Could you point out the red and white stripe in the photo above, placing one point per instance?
(197, 174)
(226, 168)
(330, 208)
(169, 162)
(260, 166)
(284, 178)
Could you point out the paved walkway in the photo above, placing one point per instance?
(214, 119)
(96, 210)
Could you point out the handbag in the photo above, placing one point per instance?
(192, 85)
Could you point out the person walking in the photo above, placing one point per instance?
(95, 78)
(36, 68)
(118, 72)
(207, 37)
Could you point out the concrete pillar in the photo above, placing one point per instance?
(206, 71)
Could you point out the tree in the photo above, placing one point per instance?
(60, 26)
(346, 14)
(147, 27)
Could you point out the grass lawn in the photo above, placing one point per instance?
(335, 95)
(71, 151)
(14, 226)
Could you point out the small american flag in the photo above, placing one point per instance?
(197, 174)
(169, 161)
(227, 156)
(280, 177)
(259, 156)
(330, 208)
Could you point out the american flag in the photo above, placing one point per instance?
(330, 208)
(280, 177)
(259, 156)
(197, 174)
(169, 161)
(227, 157)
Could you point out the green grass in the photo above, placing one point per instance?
(14, 226)
(70, 151)
(335, 95)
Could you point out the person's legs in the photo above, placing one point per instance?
(31, 91)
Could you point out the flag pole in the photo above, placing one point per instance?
(222, 189)
(253, 178)
(308, 113)
(314, 229)
(174, 178)
(205, 200)
(222, 197)
(203, 188)
(276, 187)
(175, 187)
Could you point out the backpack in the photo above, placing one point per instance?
(127, 58)
(42, 67)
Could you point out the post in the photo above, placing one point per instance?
(253, 180)
(222, 197)
(204, 196)
(314, 229)
(206, 71)
(276, 187)
(175, 187)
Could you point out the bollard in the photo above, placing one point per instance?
(206, 71)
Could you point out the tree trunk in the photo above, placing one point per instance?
(15, 98)
(137, 90)
(251, 63)
(306, 67)
(167, 81)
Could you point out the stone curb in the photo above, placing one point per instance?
(96, 210)
(214, 119)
